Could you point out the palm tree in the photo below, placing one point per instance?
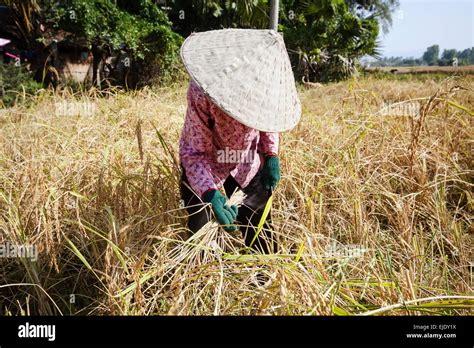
(24, 14)
(200, 15)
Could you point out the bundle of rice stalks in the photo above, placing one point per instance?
(195, 268)
(207, 244)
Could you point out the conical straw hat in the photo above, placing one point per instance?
(247, 73)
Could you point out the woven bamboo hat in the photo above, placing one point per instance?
(247, 73)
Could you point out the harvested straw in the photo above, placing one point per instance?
(210, 240)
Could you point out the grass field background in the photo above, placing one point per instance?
(374, 212)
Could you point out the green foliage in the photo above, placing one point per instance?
(397, 61)
(431, 55)
(200, 15)
(382, 9)
(325, 38)
(15, 84)
(447, 57)
(140, 27)
(466, 57)
(24, 15)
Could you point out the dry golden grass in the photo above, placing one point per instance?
(99, 196)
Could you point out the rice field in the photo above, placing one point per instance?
(374, 214)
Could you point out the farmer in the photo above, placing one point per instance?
(242, 93)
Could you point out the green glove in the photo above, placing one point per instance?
(225, 215)
(271, 172)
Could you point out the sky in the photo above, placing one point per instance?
(418, 24)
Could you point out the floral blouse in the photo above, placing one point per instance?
(213, 145)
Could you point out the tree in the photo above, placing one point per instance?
(139, 27)
(431, 55)
(382, 9)
(325, 38)
(23, 20)
(447, 57)
(200, 15)
(466, 57)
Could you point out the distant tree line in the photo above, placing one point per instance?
(464, 57)
(431, 57)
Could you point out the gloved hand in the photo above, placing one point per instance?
(225, 215)
(271, 172)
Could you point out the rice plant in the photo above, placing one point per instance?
(373, 215)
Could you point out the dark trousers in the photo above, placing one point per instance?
(248, 217)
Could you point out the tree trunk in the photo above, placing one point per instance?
(96, 56)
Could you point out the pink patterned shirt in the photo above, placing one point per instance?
(214, 145)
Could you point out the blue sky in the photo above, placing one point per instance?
(418, 24)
